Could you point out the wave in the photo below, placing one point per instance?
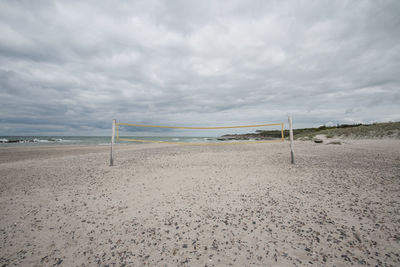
(41, 141)
(35, 140)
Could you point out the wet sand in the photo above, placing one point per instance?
(242, 205)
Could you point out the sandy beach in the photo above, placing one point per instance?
(168, 205)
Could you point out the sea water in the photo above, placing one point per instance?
(6, 141)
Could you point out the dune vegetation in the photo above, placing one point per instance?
(367, 131)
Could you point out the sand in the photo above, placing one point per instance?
(167, 205)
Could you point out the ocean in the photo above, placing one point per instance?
(15, 141)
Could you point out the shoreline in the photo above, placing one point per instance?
(20, 153)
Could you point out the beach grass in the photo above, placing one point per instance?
(368, 131)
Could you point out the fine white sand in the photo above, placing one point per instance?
(242, 205)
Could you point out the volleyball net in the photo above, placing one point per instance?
(226, 139)
(259, 136)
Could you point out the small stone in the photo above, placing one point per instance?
(357, 237)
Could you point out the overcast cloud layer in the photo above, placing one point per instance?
(70, 67)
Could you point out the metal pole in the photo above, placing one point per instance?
(112, 143)
(291, 139)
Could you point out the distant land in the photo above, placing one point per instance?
(365, 131)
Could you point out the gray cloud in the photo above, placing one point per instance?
(70, 67)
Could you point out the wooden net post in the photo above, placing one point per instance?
(112, 143)
(291, 139)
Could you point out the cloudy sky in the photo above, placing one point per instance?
(70, 67)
